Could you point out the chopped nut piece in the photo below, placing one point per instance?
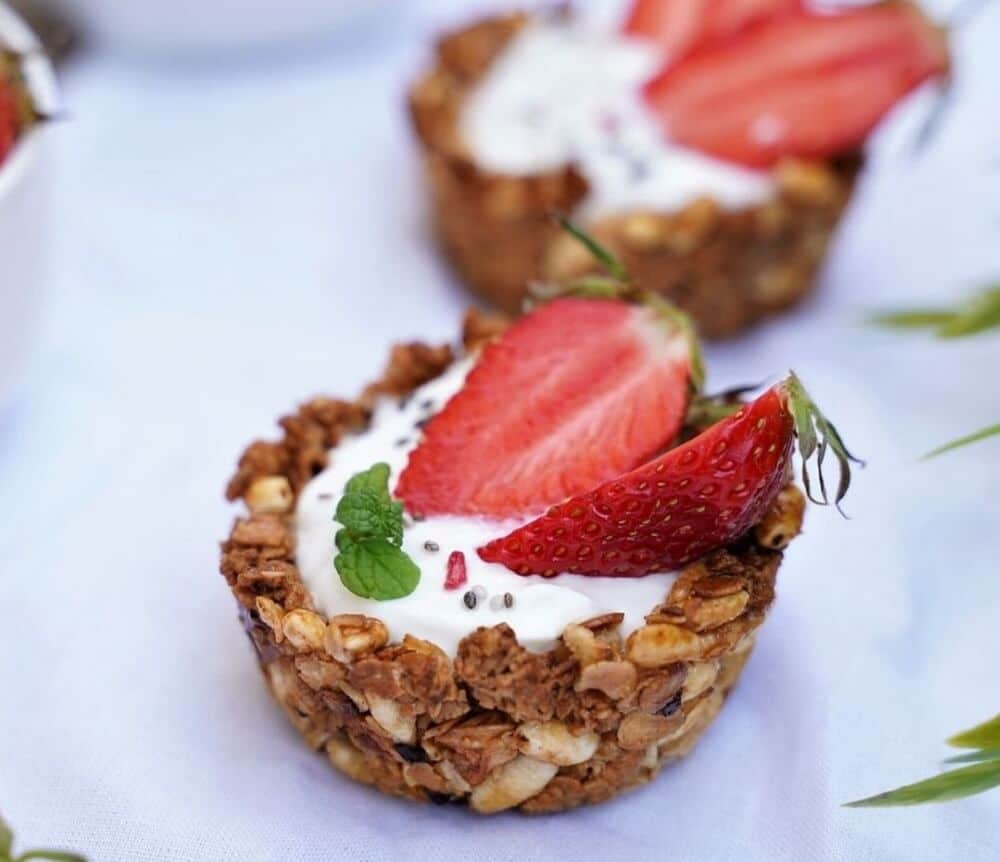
(553, 742)
(712, 613)
(319, 673)
(586, 645)
(304, 629)
(662, 643)
(271, 614)
(640, 729)
(390, 717)
(269, 494)
(511, 784)
(701, 677)
(350, 636)
(616, 679)
(783, 521)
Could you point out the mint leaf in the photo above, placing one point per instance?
(343, 539)
(374, 479)
(366, 513)
(374, 569)
(369, 560)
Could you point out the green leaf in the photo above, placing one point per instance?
(614, 267)
(975, 437)
(817, 434)
(366, 513)
(977, 314)
(928, 318)
(374, 569)
(374, 479)
(956, 784)
(980, 313)
(985, 735)
(343, 539)
(976, 756)
(6, 839)
(52, 855)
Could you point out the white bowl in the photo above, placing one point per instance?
(24, 187)
(160, 26)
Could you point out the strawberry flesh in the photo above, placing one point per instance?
(802, 84)
(679, 26)
(9, 120)
(701, 495)
(576, 393)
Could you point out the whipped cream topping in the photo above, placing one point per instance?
(569, 91)
(542, 607)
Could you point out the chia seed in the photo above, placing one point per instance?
(402, 441)
(420, 423)
(480, 592)
(470, 600)
(431, 546)
(427, 404)
(499, 602)
(324, 496)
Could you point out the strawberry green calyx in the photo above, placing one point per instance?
(817, 435)
(617, 284)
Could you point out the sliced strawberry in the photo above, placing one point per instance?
(9, 119)
(680, 26)
(702, 495)
(575, 393)
(802, 84)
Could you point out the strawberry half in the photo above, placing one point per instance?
(573, 394)
(682, 25)
(802, 84)
(702, 495)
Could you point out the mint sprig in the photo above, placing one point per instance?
(370, 561)
(983, 774)
(7, 850)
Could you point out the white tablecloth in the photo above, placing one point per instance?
(233, 239)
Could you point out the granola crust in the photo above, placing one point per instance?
(498, 727)
(726, 268)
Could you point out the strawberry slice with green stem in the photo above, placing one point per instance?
(584, 388)
(679, 26)
(802, 84)
(699, 496)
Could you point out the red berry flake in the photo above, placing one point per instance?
(457, 573)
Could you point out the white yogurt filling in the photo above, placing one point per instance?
(566, 92)
(542, 607)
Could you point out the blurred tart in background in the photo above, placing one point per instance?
(712, 146)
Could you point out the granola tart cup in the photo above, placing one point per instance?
(728, 268)
(498, 727)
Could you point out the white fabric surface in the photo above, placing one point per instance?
(231, 240)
